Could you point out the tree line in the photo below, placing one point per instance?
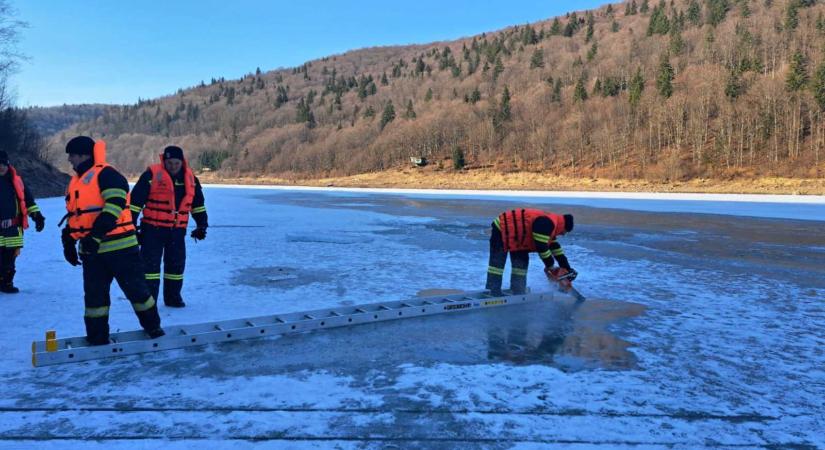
(668, 89)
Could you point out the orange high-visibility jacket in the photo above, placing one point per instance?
(84, 201)
(160, 209)
(517, 228)
(20, 190)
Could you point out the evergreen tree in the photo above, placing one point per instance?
(634, 9)
(820, 23)
(597, 88)
(555, 29)
(659, 23)
(594, 50)
(645, 7)
(818, 86)
(798, 75)
(591, 21)
(677, 43)
(384, 80)
(734, 87)
(501, 113)
(504, 107)
(580, 93)
(694, 14)
(717, 10)
(458, 158)
(792, 15)
(410, 112)
(475, 96)
(388, 115)
(498, 69)
(429, 95)
(537, 60)
(664, 81)
(609, 10)
(637, 86)
(369, 113)
(614, 27)
(556, 96)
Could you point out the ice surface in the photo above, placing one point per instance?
(701, 330)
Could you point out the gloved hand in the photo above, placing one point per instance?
(198, 234)
(39, 221)
(69, 248)
(89, 245)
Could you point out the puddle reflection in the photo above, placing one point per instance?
(566, 335)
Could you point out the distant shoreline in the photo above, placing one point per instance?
(528, 181)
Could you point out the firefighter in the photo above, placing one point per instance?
(168, 193)
(16, 203)
(520, 232)
(98, 216)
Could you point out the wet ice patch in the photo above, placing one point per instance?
(332, 238)
(277, 277)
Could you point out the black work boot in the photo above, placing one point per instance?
(7, 283)
(156, 333)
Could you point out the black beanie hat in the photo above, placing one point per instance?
(4, 158)
(173, 152)
(81, 145)
(568, 222)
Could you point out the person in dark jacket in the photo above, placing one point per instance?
(16, 206)
(167, 194)
(520, 232)
(98, 216)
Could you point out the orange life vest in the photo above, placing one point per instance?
(84, 201)
(517, 228)
(20, 190)
(160, 209)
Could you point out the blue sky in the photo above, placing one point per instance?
(102, 51)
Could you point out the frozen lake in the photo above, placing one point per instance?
(703, 328)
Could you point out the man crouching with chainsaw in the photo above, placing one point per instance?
(520, 232)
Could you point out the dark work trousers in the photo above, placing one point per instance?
(8, 255)
(498, 258)
(169, 243)
(98, 272)
(11, 241)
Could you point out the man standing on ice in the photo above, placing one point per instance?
(98, 216)
(520, 232)
(167, 193)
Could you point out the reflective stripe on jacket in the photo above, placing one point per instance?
(160, 209)
(517, 228)
(85, 202)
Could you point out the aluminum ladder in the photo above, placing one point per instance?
(74, 349)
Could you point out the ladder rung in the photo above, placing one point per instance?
(307, 316)
(249, 323)
(279, 320)
(384, 308)
(360, 310)
(218, 328)
(334, 314)
(182, 331)
(406, 305)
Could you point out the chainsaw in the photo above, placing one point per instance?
(564, 278)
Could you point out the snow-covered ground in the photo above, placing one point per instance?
(703, 328)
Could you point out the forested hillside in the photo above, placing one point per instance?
(48, 120)
(668, 89)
